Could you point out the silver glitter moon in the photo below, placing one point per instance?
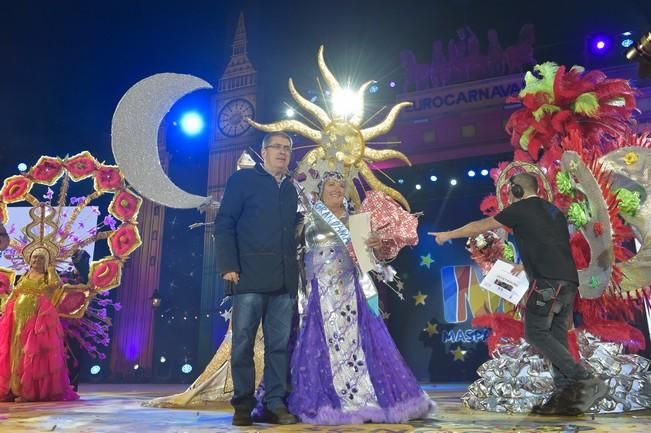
(134, 137)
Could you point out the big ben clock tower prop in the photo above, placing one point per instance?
(234, 101)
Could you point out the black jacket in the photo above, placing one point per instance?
(255, 232)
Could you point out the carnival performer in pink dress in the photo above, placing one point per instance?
(32, 356)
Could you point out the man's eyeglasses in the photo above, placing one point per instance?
(276, 146)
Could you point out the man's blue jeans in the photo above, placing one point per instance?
(275, 311)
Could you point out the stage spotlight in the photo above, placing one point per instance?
(627, 43)
(192, 123)
(345, 102)
(484, 172)
(433, 178)
(401, 181)
(290, 112)
(95, 369)
(374, 88)
(137, 366)
(453, 182)
(599, 44)
(163, 360)
(22, 167)
(627, 34)
(418, 187)
(186, 368)
(392, 84)
(641, 53)
(471, 173)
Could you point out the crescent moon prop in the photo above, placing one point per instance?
(630, 168)
(134, 137)
(595, 279)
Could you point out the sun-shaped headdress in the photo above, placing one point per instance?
(341, 139)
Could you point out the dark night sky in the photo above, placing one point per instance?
(65, 64)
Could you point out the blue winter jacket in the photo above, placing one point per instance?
(255, 232)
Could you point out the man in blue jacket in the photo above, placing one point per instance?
(256, 254)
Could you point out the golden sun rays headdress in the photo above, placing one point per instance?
(341, 139)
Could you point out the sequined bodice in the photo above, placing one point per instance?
(325, 253)
(318, 234)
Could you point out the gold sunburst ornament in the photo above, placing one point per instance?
(340, 138)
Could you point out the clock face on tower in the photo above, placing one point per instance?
(232, 117)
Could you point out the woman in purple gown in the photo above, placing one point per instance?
(345, 368)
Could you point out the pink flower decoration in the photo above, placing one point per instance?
(108, 178)
(81, 166)
(105, 274)
(124, 240)
(125, 205)
(6, 283)
(47, 170)
(15, 188)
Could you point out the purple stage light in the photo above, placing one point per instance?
(599, 44)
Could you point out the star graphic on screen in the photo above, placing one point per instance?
(432, 328)
(385, 315)
(426, 260)
(400, 285)
(419, 298)
(459, 354)
(227, 315)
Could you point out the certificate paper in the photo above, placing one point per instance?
(500, 281)
(359, 226)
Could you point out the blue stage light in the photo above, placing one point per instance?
(374, 88)
(95, 369)
(418, 187)
(484, 172)
(627, 43)
(163, 360)
(433, 178)
(401, 181)
(471, 173)
(453, 182)
(22, 167)
(186, 368)
(192, 123)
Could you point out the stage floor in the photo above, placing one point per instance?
(116, 408)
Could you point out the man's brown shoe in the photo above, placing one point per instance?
(278, 416)
(242, 417)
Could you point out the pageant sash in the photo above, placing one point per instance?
(365, 282)
(337, 226)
